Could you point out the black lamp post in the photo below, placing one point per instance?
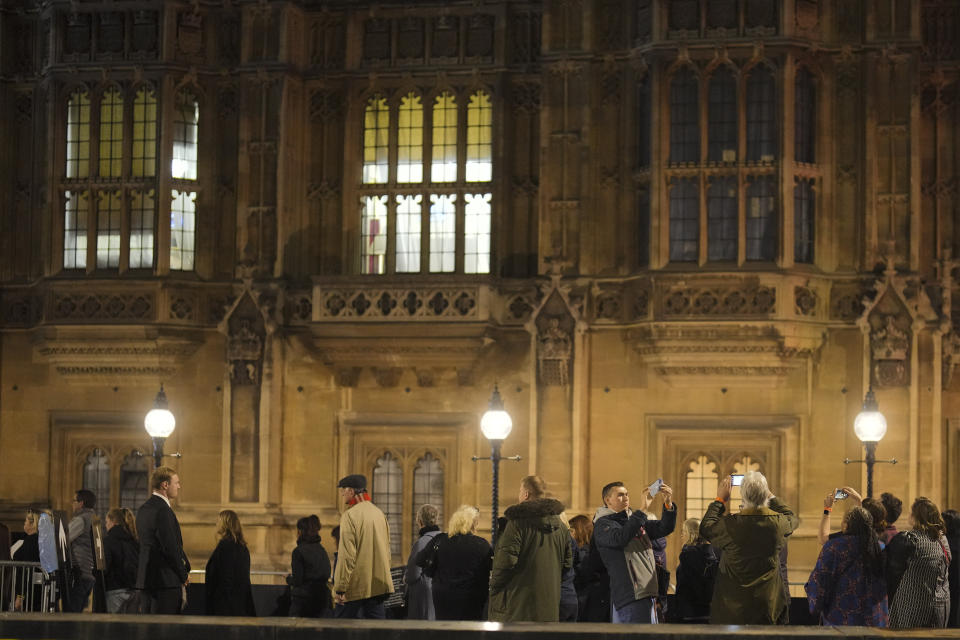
(160, 423)
(496, 425)
(870, 426)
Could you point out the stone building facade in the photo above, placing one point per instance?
(682, 238)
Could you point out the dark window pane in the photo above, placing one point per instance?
(684, 121)
(805, 117)
(684, 220)
(761, 115)
(804, 221)
(762, 219)
(96, 478)
(133, 481)
(643, 122)
(722, 219)
(388, 495)
(643, 227)
(722, 128)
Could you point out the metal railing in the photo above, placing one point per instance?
(24, 586)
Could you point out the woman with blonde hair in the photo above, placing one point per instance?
(696, 573)
(228, 571)
(121, 555)
(461, 568)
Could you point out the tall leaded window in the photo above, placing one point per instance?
(761, 115)
(722, 130)
(121, 188)
(388, 494)
(684, 117)
(428, 486)
(702, 479)
(184, 169)
(414, 221)
(134, 478)
(722, 217)
(684, 220)
(804, 221)
(804, 117)
(762, 219)
(96, 478)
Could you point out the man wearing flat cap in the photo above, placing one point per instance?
(362, 580)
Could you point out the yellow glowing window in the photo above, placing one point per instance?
(141, 229)
(75, 215)
(702, 481)
(444, 164)
(376, 125)
(443, 233)
(744, 465)
(408, 233)
(78, 134)
(144, 156)
(185, 136)
(111, 133)
(479, 138)
(108, 229)
(373, 235)
(476, 233)
(183, 230)
(410, 139)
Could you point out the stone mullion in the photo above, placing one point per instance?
(788, 135)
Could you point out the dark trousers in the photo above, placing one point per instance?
(367, 608)
(79, 593)
(164, 601)
(458, 606)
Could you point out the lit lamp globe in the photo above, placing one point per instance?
(870, 425)
(496, 423)
(159, 421)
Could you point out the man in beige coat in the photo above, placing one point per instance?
(362, 580)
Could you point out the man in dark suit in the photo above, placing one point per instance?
(163, 570)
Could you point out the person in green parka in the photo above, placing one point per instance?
(531, 555)
(749, 587)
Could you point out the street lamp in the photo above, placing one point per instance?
(870, 426)
(496, 425)
(160, 423)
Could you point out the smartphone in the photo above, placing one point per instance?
(655, 487)
(737, 479)
(840, 495)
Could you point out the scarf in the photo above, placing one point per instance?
(359, 497)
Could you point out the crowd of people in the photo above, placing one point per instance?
(543, 567)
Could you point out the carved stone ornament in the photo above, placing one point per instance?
(243, 353)
(889, 347)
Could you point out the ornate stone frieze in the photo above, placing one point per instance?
(87, 355)
(742, 299)
(805, 300)
(108, 307)
(399, 303)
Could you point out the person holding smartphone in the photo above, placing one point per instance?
(623, 539)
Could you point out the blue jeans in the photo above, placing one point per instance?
(367, 608)
(640, 611)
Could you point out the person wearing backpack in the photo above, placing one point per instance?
(696, 574)
(418, 581)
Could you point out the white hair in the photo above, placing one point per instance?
(754, 490)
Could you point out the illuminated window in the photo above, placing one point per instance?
(376, 127)
(183, 220)
(78, 134)
(428, 487)
(144, 156)
(408, 233)
(742, 466)
(388, 495)
(761, 115)
(684, 117)
(142, 211)
(111, 134)
(702, 479)
(395, 236)
(373, 235)
(185, 136)
(410, 140)
(722, 231)
(479, 138)
(804, 221)
(76, 214)
(762, 219)
(684, 220)
(444, 161)
(804, 117)
(108, 229)
(722, 128)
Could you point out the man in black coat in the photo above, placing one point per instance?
(163, 570)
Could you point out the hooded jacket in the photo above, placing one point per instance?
(623, 539)
(531, 555)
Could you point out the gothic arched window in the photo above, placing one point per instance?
(804, 117)
(78, 134)
(111, 133)
(388, 493)
(684, 117)
(428, 486)
(96, 478)
(702, 481)
(722, 129)
(184, 170)
(761, 115)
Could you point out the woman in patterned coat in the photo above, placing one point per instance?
(917, 570)
(846, 586)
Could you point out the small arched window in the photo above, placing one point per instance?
(388, 493)
(408, 232)
(684, 117)
(702, 481)
(742, 466)
(108, 229)
(428, 487)
(761, 115)
(96, 478)
(722, 129)
(804, 117)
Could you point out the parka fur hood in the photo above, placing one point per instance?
(534, 509)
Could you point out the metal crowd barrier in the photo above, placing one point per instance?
(24, 586)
